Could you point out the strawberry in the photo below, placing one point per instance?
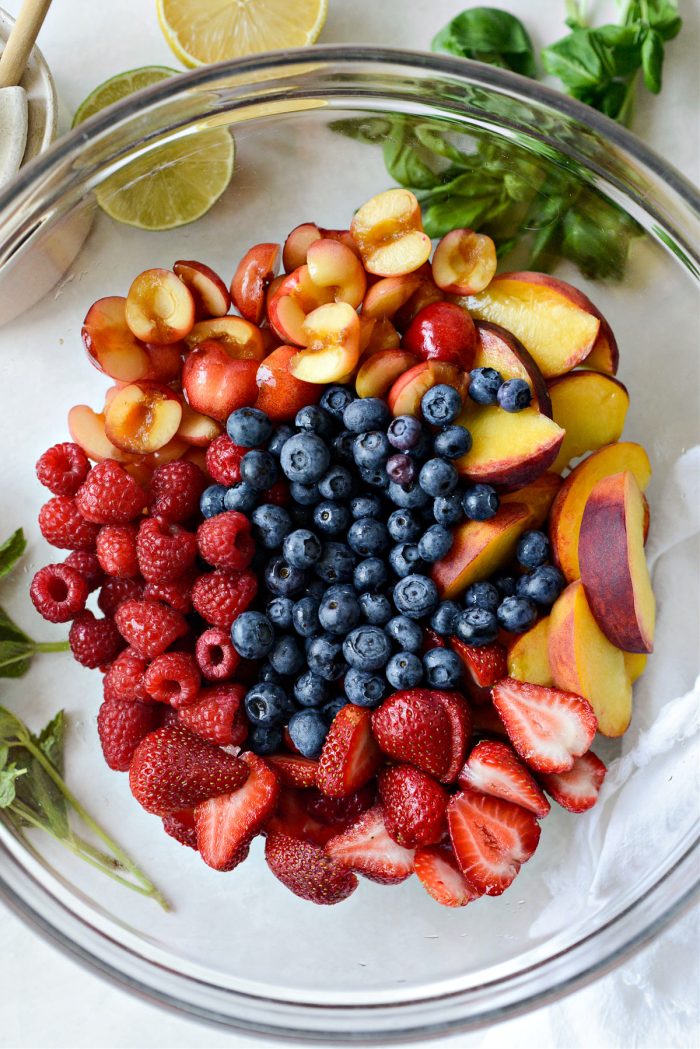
(292, 817)
(431, 639)
(227, 824)
(413, 726)
(174, 769)
(459, 714)
(491, 839)
(493, 768)
(293, 770)
(180, 826)
(439, 874)
(218, 715)
(547, 727)
(350, 756)
(338, 812)
(121, 726)
(484, 665)
(413, 806)
(307, 871)
(365, 847)
(487, 722)
(149, 626)
(577, 788)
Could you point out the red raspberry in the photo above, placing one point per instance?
(62, 524)
(109, 495)
(116, 591)
(223, 460)
(121, 726)
(225, 540)
(124, 678)
(94, 642)
(177, 594)
(218, 715)
(216, 656)
(63, 468)
(278, 495)
(85, 562)
(173, 678)
(180, 826)
(165, 551)
(149, 626)
(116, 551)
(58, 593)
(175, 490)
(221, 596)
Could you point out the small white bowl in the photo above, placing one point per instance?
(41, 96)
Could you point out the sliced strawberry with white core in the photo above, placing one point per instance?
(226, 825)
(367, 849)
(577, 789)
(484, 664)
(493, 768)
(491, 839)
(439, 874)
(293, 818)
(350, 755)
(547, 727)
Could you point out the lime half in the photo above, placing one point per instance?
(118, 87)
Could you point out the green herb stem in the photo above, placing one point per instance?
(52, 646)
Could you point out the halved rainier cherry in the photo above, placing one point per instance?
(388, 295)
(376, 335)
(388, 230)
(293, 300)
(143, 417)
(464, 262)
(210, 294)
(405, 395)
(253, 274)
(303, 236)
(87, 429)
(110, 344)
(242, 340)
(159, 307)
(332, 337)
(380, 371)
(334, 266)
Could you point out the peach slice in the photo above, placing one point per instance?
(281, 395)
(294, 299)
(332, 337)
(251, 279)
(464, 262)
(381, 370)
(605, 355)
(568, 507)
(197, 429)
(538, 497)
(242, 340)
(591, 408)
(479, 549)
(499, 349)
(87, 428)
(159, 307)
(555, 322)
(635, 664)
(583, 661)
(508, 448)
(143, 417)
(389, 294)
(110, 344)
(215, 383)
(528, 655)
(334, 266)
(388, 230)
(210, 294)
(442, 331)
(405, 395)
(613, 565)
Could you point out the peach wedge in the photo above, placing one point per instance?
(499, 349)
(480, 548)
(605, 355)
(538, 497)
(591, 408)
(388, 230)
(508, 448)
(528, 655)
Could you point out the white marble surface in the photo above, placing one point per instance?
(48, 1001)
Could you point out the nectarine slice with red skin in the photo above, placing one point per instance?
(528, 655)
(605, 355)
(538, 497)
(499, 349)
(294, 299)
(197, 429)
(569, 504)
(583, 661)
(508, 448)
(215, 383)
(591, 408)
(405, 395)
(380, 370)
(87, 429)
(159, 307)
(387, 295)
(253, 274)
(210, 294)
(332, 340)
(334, 266)
(281, 395)
(143, 417)
(240, 339)
(479, 549)
(635, 664)
(110, 344)
(613, 564)
(464, 262)
(388, 230)
(442, 331)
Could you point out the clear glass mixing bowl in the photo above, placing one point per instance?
(239, 949)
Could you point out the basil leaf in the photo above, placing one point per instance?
(15, 657)
(9, 631)
(577, 60)
(488, 35)
(11, 551)
(659, 15)
(652, 61)
(403, 162)
(4, 754)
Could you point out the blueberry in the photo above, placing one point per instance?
(248, 427)
(405, 632)
(364, 689)
(484, 384)
(331, 709)
(441, 405)
(301, 548)
(368, 537)
(404, 433)
(336, 564)
(376, 476)
(404, 670)
(443, 668)
(517, 614)
(453, 442)
(438, 477)
(305, 458)
(316, 588)
(367, 648)
(404, 526)
(505, 584)
(404, 559)
(482, 595)
(335, 400)
(242, 497)
(324, 655)
(447, 509)
(532, 549)
(336, 484)
(282, 579)
(408, 496)
(305, 494)
(310, 690)
(366, 413)
(401, 468)
(339, 611)
(342, 447)
(211, 501)
(422, 450)
(271, 524)
(267, 704)
(314, 420)
(415, 596)
(514, 395)
(369, 574)
(476, 626)
(252, 635)
(259, 469)
(542, 586)
(279, 612)
(443, 618)
(305, 616)
(365, 506)
(287, 657)
(371, 450)
(264, 739)
(376, 608)
(331, 518)
(281, 434)
(436, 543)
(480, 502)
(268, 673)
(308, 730)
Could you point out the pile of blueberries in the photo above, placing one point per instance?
(344, 571)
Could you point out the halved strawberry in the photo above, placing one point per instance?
(431, 639)
(339, 812)
(486, 720)
(493, 768)
(293, 770)
(491, 839)
(577, 789)
(460, 716)
(180, 826)
(350, 755)
(484, 665)
(439, 874)
(547, 727)
(226, 825)
(414, 726)
(292, 817)
(414, 806)
(367, 849)
(307, 871)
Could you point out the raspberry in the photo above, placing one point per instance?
(180, 826)
(58, 593)
(225, 540)
(115, 591)
(121, 726)
(278, 495)
(149, 626)
(223, 460)
(62, 524)
(94, 642)
(173, 678)
(109, 495)
(175, 490)
(221, 596)
(216, 656)
(116, 550)
(165, 551)
(85, 562)
(124, 677)
(177, 594)
(218, 715)
(63, 468)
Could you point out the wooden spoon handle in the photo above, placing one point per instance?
(24, 32)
